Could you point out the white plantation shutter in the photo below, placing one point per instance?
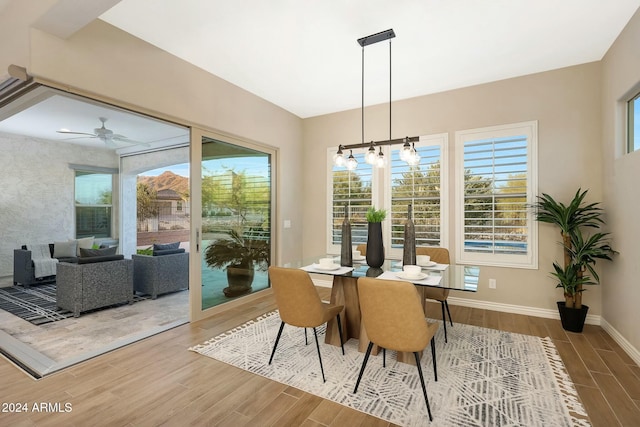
(495, 168)
(352, 189)
(423, 186)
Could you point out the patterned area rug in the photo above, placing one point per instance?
(486, 377)
(36, 304)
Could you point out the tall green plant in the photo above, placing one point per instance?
(580, 252)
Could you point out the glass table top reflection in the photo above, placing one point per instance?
(452, 276)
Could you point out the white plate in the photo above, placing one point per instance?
(403, 275)
(429, 264)
(359, 258)
(327, 268)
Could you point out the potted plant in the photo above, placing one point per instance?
(580, 251)
(240, 255)
(375, 247)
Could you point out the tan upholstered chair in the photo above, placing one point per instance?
(362, 248)
(441, 256)
(300, 305)
(394, 319)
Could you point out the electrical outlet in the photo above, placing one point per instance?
(492, 283)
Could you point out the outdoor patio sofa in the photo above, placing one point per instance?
(24, 271)
(165, 271)
(94, 282)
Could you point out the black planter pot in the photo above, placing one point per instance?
(240, 280)
(572, 318)
(375, 248)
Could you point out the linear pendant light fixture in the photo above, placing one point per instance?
(408, 152)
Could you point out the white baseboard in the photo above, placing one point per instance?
(622, 341)
(517, 309)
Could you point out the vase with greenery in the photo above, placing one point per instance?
(581, 251)
(240, 256)
(375, 246)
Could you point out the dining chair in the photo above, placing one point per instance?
(362, 248)
(441, 256)
(300, 305)
(394, 319)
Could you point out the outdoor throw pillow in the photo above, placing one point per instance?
(165, 246)
(65, 249)
(84, 243)
(84, 253)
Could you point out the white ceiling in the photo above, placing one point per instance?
(303, 55)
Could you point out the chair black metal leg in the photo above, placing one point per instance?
(444, 321)
(433, 357)
(364, 363)
(424, 388)
(340, 333)
(305, 337)
(446, 304)
(319, 356)
(384, 357)
(276, 343)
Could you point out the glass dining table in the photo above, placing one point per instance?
(344, 289)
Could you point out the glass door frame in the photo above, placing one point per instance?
(195, 243)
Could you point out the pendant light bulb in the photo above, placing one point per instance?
(380, 159)
(414, 158)
(352, 163)
(338, 158)
(405, 152)
(370, 157)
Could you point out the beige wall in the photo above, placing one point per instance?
(621, 177)
(566, 104)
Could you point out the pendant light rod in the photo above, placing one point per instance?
(389, 89)
(362, 109)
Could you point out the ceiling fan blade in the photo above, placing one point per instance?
(78, 137)
(76, 133)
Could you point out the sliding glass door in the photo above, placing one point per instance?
(234, 235)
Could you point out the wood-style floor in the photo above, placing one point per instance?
(159, 382)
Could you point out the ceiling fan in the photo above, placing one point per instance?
(105, 135)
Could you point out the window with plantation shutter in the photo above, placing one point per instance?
(496, 182)
(423, 186)
(351, 189)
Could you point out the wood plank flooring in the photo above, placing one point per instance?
(158, 382)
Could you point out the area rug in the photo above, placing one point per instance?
(486, 377)
(36, 303)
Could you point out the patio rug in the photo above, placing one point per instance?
(486, 377)
(37, 303)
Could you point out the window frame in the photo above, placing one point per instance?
(93, 170)
(633, 127)
(530, 259)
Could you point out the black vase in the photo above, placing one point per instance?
(572, 318)
(409, 245)
(375, 248)
(346, 252)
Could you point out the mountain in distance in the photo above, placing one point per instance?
(166, 180)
